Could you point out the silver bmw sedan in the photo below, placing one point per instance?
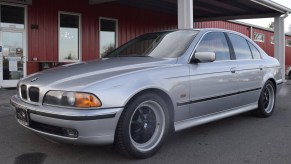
(154, 85)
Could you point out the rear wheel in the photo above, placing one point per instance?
(267, 101)
(143, 126)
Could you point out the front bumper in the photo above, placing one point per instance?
(92, 126)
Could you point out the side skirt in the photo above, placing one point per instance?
(213, 117)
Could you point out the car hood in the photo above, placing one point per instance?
(79, 75)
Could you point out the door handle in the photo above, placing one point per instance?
(233, 70)
(261, 67)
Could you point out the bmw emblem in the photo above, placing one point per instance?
(34, 79)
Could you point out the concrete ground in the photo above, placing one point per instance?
(239, 139)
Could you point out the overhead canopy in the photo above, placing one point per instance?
(212, 9)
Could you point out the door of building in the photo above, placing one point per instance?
(12, 45)
(12, 58)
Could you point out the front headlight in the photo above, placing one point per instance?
(71, 99)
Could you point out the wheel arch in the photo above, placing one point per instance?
(165, 96)
(273, 82)
(270, 77)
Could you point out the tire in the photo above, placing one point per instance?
(267, 100)
(143, 126)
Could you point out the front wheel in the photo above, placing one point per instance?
(266, 103)
(143, 126)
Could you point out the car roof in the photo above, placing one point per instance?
(202, 29)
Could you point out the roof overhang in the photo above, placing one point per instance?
(24, 2)
(273, 5)
(205, 10)
(92, 2)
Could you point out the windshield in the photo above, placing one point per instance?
(168, 44)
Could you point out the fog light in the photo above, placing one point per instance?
(71, 132)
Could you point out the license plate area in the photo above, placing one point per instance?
(22, 116)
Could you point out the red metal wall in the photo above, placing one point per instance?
(266, 45)
(43, 42)
(224, 25)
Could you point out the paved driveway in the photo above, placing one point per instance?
(239, 139)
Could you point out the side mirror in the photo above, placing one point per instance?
(205, 56)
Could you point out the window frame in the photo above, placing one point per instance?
(25, 34)
(247, 42)
(272, 40)
(261, 41)
(116, 32)
(80, 35)
(287, 42)
(250, 44)
(232, 57)
(25, 17)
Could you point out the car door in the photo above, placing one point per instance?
(213, 84)
(250, 69)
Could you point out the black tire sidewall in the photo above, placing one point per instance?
(261, 110)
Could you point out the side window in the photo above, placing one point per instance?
(215, 42)
(255, 51)
(240, 46)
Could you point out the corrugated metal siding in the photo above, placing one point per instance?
(267, 46)
(43, 42)
(32, 67)
(224, 25)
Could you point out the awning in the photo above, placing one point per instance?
(204, 10)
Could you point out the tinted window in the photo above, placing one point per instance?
(240, 46)
(12, 16)
(215, 42)
(255, 51)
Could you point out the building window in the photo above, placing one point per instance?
(108, 35)
(12, 17)
(69, 37)
(258, 37)
(288, 42)
(272, 40)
